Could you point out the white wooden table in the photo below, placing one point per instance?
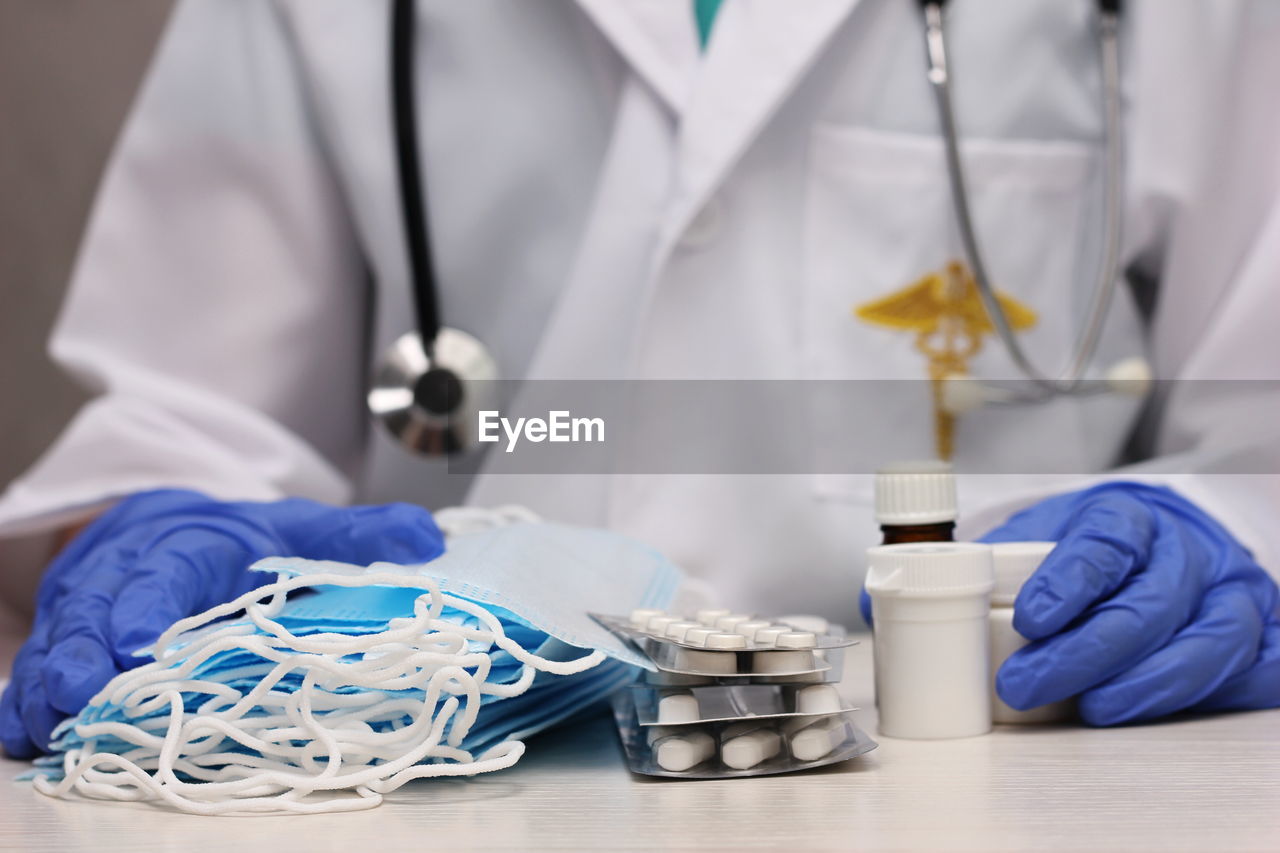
(1200, 784)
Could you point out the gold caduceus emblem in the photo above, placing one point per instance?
(945, 312)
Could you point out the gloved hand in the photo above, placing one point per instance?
(1147, 606)
(158, 557)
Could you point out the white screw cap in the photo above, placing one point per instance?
(1014, 563)
(930, 569)
(916, 493)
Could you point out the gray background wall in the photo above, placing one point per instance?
(68, 71)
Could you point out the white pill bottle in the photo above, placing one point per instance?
(929, 604)
(1014, 564)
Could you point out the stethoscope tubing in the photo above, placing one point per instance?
(1070, 380)
(439, 351)
(413, 206)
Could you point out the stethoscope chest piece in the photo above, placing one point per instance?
(430, 402)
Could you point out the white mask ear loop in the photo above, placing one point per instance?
(317, 737)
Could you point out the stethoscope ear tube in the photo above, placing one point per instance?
(432, 381)
(413, 206)
(1069, 381)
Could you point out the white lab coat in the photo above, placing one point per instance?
(607, 202)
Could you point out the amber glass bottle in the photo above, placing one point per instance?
(916, 502)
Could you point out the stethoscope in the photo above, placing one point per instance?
(433, 380)
(1130, 376)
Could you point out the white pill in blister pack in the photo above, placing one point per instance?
(698, 636)
(751, 627)
(681, 752)
(657, 625)
(744, 751)
(678, 708)
(677, 630)
(709, 617)
(796, 640)
(730, 623)
(725, 641)
(769, 636)
(640, 617)
(673, 708)
(817, 740)
(710, 663)
(818, 699)
(782, 661)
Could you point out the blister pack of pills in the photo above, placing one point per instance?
(720, 647)
(732, 694)
(745, 730)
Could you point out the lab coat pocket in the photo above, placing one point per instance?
(879, 218)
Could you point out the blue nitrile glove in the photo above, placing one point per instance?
(1147, 606)
(158, 557)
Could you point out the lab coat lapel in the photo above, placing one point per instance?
(759, 51)
(658, 38)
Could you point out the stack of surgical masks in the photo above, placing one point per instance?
(337, 684)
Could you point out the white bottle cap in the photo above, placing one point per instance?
(1014, 563)
(916, 493)
(930, 569)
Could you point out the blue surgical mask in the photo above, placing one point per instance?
(545, 576)
(350, 678)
